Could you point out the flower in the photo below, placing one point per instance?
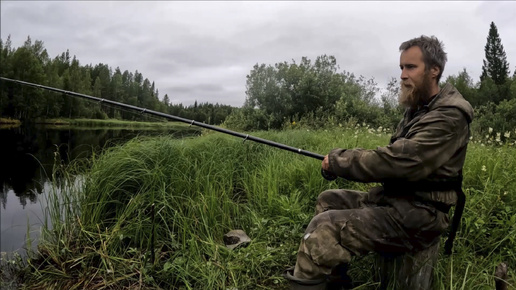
(507, 134)
(294, 123)
(498, 137)
(490, 130)
(484, 168)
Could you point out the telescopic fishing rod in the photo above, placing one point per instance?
(327, 175)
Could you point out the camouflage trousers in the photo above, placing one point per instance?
(351, 223)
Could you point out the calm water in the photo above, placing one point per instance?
(26, 159)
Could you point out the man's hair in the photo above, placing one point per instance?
(433, 52)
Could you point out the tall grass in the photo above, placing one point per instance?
(152, 214)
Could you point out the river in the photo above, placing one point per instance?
(27, 155)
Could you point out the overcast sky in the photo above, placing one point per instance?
(203, 50)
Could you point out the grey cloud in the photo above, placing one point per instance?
(204, 50)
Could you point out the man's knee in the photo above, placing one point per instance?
(320, 246)
(338, 199)
(324, 200)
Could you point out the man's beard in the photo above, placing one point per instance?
(412, 96)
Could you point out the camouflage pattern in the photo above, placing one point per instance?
(429, 144)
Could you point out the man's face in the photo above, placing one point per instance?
(416, 82)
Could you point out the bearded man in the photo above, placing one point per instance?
(419, 171)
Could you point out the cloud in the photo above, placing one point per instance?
(204, 50)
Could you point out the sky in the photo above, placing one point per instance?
(203, 51)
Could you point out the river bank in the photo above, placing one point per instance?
(152, 214)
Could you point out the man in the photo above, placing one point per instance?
(418, 170)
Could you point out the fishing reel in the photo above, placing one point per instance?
(328, 175)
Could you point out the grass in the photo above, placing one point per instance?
(152, 214)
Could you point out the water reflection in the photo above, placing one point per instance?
(27, 156)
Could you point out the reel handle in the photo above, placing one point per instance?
(328, 175)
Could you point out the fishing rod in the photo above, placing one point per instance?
(326, 174)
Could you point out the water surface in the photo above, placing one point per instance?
(27, 156)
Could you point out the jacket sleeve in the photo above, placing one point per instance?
(428, 145)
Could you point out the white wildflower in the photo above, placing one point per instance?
(487, 136)
(507, 135)
(484, 168)
(505, 193)
(490, 130)
(498, 135)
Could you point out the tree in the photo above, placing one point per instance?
(495, 65)
(464, 84)
(289, 91)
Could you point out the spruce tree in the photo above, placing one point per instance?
(495, 64)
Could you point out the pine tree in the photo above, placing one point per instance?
(495, 65)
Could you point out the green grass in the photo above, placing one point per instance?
(152, 214)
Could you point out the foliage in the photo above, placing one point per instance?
(494, 105)
(248, 119)
(291, 92)
(498, 118)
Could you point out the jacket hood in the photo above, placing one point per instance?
(449, 96)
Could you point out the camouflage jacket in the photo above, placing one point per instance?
(429, 144)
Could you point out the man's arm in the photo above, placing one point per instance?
(429, 144)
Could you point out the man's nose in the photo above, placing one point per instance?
(404, 74)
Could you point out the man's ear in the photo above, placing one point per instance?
(434, 71)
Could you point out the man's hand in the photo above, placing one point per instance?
(325, 164)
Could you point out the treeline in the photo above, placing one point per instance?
(319, 94)
(287, 94)
(31, 63)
